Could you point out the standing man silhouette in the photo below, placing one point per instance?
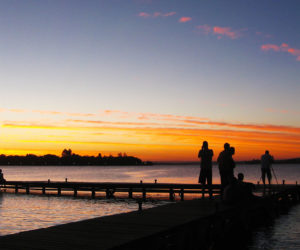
(266, 162)
(205, 155)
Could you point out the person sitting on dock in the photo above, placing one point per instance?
(266, 162)
(2, 180)
(245, 187)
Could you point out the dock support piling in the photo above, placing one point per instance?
(27, 190)
(75, 192)
(130, 193)
(93, 193)
(16, 189)
(144, 193)
(171, 194)
(182, 194)
(59, 191)
(44, 190)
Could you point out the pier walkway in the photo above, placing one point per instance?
(193, 224)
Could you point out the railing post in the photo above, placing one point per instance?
(75, 192)
(144, 193)
(203, 191)
(171, 194)
(44, 190)
(27, 189)
(108, 194)
(59, 191)
(130, 193)
(93, 193)
(182, 194)
(16, 189)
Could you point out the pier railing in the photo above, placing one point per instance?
(109, 189)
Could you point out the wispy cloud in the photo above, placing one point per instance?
(156, 14)
(226, 31)
(144, 14)
(263, 35)
(284, 47)
(220, 31)
(184, 19)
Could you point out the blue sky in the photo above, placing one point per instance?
(228, 61)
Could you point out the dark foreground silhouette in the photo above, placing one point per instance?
(70, 159)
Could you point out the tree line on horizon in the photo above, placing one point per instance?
(68, 158)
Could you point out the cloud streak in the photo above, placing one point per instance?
(220, 32)
(156, 14)
(284, 47)
(185, 19)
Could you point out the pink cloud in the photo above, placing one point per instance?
(263, 35)
(205, 28)
(220, 31)
(143, 14)
(156, 14)
(267, 47)
(284, 47)
(226, 31)
(185, 19)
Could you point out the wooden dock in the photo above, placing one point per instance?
(110, 189)
(193, 224)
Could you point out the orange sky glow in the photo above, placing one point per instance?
(154, 137)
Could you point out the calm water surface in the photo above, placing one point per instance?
(22, 212)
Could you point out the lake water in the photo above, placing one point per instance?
(27, 212)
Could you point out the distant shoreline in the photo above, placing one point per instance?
(252, 162)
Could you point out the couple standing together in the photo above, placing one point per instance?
(225, 161)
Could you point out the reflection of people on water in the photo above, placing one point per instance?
(205, 155)
(2, 180)
(266, 162)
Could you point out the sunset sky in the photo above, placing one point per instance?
(152, 78)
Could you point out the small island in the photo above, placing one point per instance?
(68, 158)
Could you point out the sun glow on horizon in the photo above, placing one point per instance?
(154, 137)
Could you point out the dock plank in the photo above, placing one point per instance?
(110, 231)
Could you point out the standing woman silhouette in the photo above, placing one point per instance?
(205, 155)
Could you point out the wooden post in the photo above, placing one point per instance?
(27, 189)
(75, 192)
(16, 189)
(93, 193)
(171, 194)
(182, 194)
(108, 194)
(59, 191)
(130, 193)
(283, 182)
(44, 190)
(144, 193)
(203, 191)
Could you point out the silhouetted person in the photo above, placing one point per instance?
(232, 192)
(231, 163)
(224, 161)
(238, 191)
(266, 162)
(205, 155)
(245, 187)
(2, 180)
